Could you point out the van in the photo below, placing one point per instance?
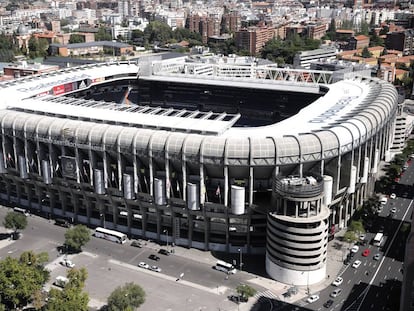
(21, 210)
(62, 222)
(61, 281)
(336, 293)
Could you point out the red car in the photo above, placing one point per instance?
(366, 252)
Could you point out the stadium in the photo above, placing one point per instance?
(212, 155)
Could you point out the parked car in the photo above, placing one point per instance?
(393, 210)
(377, 256)
(328, 304)
(143, 265)
(165, 252)
(237, 298)
(136, 244)
(354, 249)
(393, 196)
(155, 268)
(356, 264)
(154, 257)
(366, 252)
(336, 293)
(67, 263)
(312, 298)
(338, 281)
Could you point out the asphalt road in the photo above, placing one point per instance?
(376, 285)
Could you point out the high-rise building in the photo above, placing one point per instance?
(253, 38)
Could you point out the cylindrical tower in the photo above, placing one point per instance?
(297, 231)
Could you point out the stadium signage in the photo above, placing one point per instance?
(330, 112)
(53, 83)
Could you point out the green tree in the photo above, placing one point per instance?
(103, 35)
(366, 53)
(76, 38)
(71, 297)
(15, 221)
(76, 237)
(128, 297)
(158, 32)
(245, 290)
(376, 40)
(350, 236)
(19, 281)
(332, 30)
(364, 30)
(356, 226)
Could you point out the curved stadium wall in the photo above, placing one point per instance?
(274, 189)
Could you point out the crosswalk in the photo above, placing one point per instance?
(267, 294)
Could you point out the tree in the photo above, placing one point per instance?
(77, 237)
(366, 53)
(20, 279)
(71, 297)
(350, 236)
(245, 290)
(103, 35)
(356, 226)
(128, 297)
(158, 32)
(15, 221)
(76, 38)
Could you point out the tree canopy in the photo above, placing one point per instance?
(158, 32)
(21, 278)
(76, 237)
(286, 49)
(128, 297)
(71, 297)
(76, 38)
(245, 290)
(15, 221)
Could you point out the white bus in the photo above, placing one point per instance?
(378, 239)
(21, 210)
(110, 235)
(225, 267)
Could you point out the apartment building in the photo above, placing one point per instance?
(401, 41)
(253, 38)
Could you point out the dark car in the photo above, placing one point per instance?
(62, 222)
(136, 244)
(163, 251)
(328, 303)
(154, 257)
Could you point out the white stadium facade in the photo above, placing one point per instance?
(214, 156)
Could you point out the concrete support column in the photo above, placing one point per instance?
(167, 179)
(226, 185)
(251, 184)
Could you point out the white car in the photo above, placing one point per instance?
(312, 298)
(143, 265)
(338, 281)
(155, 268)
(393, 196)
(356, 264)
(393, 210)
(67, 263)
(355, 249)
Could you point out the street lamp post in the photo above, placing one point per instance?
(103, 216)
(241, 258)
(166, 231)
